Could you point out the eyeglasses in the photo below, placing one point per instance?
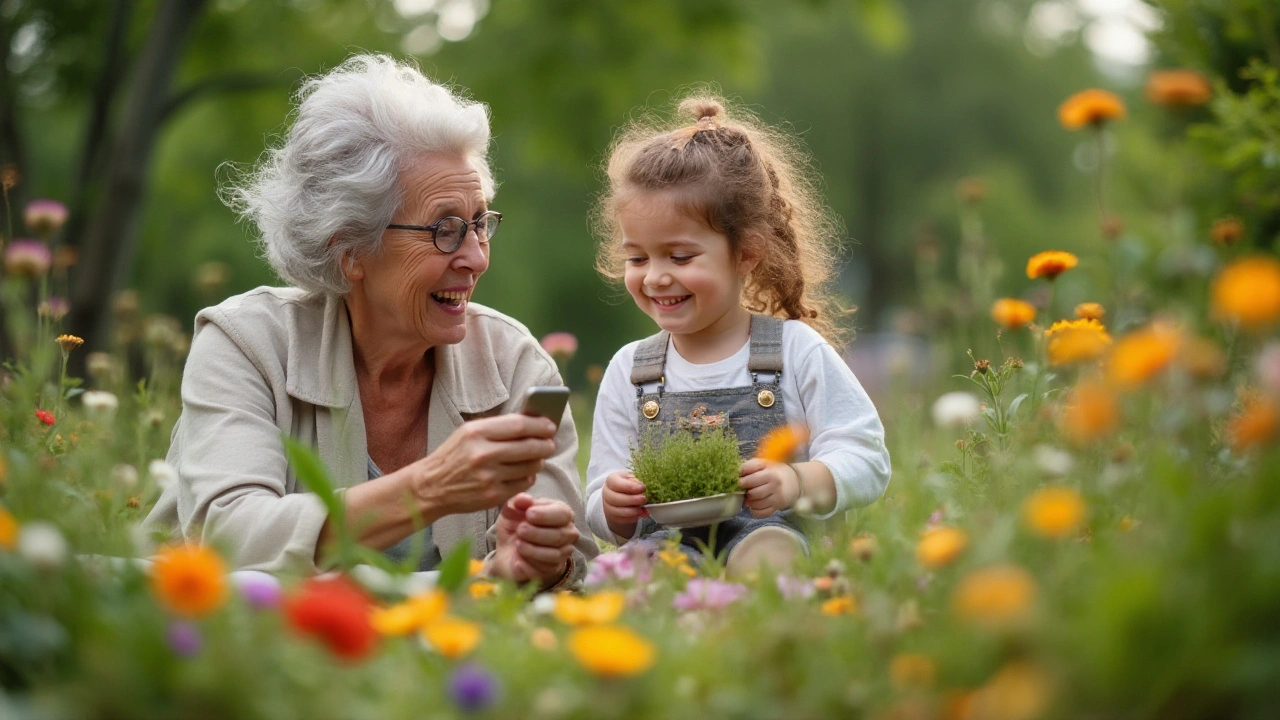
(448, 233)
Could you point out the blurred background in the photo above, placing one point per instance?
(133, 111)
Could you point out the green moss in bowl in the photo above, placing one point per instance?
(686, 464)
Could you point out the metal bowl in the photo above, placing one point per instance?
(696, 512)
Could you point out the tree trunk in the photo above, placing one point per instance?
(112, 225)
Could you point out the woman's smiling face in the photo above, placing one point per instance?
(412, 287)
(680, 272)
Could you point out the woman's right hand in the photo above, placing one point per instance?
(624, 501)
(484, 463)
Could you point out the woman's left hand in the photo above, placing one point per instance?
(536, 538)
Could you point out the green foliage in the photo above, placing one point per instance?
(686, 464)
(1245, 137)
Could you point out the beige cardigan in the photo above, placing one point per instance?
(278, 360)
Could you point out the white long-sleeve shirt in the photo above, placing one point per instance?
(819, 391)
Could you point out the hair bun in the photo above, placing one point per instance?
(701, 108)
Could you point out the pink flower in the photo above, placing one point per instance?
(795, 588)
(55, 308)
(616, 565)
(27, 257)
(44, 217)
(708, 594)
(45, 417)
(1267, 367)
(560, 345)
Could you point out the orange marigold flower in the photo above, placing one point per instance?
(543, 639)
(1248, 292)
(908, 670)
(1090, 107)
(1020, 691)
(1012, 313)
(337, 612)
(612, 651)
(1075, 341)
(8, 529)
(452, 637)
(1089, 413)
(1090, 311)
(598, 609)
(189, 580)
(1178, 88)
(1054, 512)
(482, 589)
(781, 443)
(68, 342)
(1255, 426)
(1050, 264)
(1227, 230)
(1143, 354)
(841, 605)
(995, 596)
(940, 546)
(411, 615)
(1202, 358)
(864, 547)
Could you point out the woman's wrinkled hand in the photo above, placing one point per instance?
(484, 463)
(536, 538)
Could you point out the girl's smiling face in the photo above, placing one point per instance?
(680, 271)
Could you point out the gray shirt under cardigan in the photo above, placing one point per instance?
(276, 361)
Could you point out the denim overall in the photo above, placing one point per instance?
(751, 411)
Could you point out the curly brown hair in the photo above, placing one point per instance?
(748, 182)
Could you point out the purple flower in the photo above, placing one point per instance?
(44, 217)
(707, 594)
(27, 257)
(55, 308)
(260, 590)
(795, 588)
(473, 688)
(615, 565)
(184, 638)
(935, 518)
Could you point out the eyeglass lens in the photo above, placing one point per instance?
(452, 231)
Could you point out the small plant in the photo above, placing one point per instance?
(687, 463)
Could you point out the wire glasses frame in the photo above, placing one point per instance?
(449, 232)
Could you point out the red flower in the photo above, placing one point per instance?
(336, 611)
(45, 417)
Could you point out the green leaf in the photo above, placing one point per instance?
(454, 569)
(312, 474)
(1017, 402)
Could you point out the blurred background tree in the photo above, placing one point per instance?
(133, 111)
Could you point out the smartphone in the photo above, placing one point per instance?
(546, 401)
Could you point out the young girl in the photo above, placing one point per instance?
(720, 239)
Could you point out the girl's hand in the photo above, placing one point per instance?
(623, 503)
(536, 537)
(771, 486)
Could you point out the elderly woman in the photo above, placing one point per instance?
(376, 211)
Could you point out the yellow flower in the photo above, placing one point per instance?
(1075, 341)
(995, 596)
(941, 546)
(1254, 427)
(1054, 512)
(1143, 354)
(781, 443)
(1020, 691)
(1126, 524)
(1090, 311)
(543, 639)
(840, 605)
(1090, 107)
(1248, 292)
(1089, 413)
(1178, 88)
(908, 670)
(674, 558)
(8, 529)
(1227, 230)
(411, 615)
(68, 342)
(864, 546)
(452, 637)
(612, 651)
(1012, 313)
(189, 580)
(482, 589)
(597, 609)
(1050, 264)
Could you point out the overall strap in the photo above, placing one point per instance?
(766, 345)
(651, 357)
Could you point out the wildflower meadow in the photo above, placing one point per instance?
(1083, 519)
